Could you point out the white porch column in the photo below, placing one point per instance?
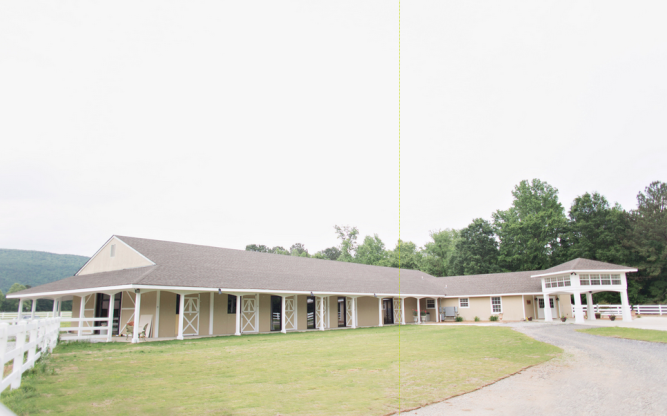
(282, 315)
(112, 298)
(590, 308)
(55, 307)
(547, 309)
(156, 332)
(34, 308)
(210, 314)
(137, 314)
(20, 312)
(354, 312)
(82, 312)
(181, 310)
(380, 311)
(419, 311)
(625, 306)
(238, 316)
(523, 305)
(257, 312)
(578, 310)
(402, 311)
(321, 313)
(437, 310)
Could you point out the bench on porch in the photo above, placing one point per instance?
(448, 312)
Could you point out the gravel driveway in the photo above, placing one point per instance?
(594, 376)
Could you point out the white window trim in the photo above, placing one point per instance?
(464, 307)
(501, 304)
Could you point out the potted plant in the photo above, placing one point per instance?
(597, 316)
(563, 318)
(530, 318)
(612, 317)
(423, 314)
(414, 314)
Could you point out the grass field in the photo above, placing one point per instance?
(629, 333)
(352, 372)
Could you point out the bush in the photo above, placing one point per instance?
(476, 318)
(493, 318)
(459, 319)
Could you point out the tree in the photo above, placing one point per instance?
(348, 242)
(298, 249)
(12, 305)
(596, 230)
(647, 240)
(438, 254)
(331, 253)
(259, 248)
(406, 255)
(477, 250)
(530, 231)
(371, 251)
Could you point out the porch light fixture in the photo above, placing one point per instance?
(219, 291)
(572, 274)
(311, 294)
(136, 290)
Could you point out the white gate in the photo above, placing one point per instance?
(349, 318)
(249, 314)
(290, 313)
(321, 311)
(397, 310)
(191, 315)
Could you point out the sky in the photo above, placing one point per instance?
(228, 123)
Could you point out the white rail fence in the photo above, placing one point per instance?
(24, 343)
(13, 315)
(607, 310)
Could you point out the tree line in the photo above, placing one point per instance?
(534, 233)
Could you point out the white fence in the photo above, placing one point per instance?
(607, 310)
(85, 330)
(34, 337)
(13, 315)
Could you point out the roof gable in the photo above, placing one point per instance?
(124, 257)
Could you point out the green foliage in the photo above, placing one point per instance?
(265, 249)
(493, 318)
(648, 225)
(299, 250)
(410, 256)
(438, 254)
(33, 268)
(371, 251)
(476, 250)
(348, 242)
(331, 253)
(476, 318)
(459, 319)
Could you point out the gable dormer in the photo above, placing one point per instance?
(114, 255)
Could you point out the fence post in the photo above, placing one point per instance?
(33, 349)
(3, 346)
(660, 307)
(17, 367)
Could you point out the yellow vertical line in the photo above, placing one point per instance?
(399, 208)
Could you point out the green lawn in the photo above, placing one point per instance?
(629, 333)
(352, 372)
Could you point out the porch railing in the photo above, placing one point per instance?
(10, 316)
(607, 310)
(85, 329)
(24, 343)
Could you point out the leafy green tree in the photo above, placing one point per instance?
(410, 256)
(477, 249)
(279, 250)
(259, 248)
(331, 253)
(12, 305)
(596, 230)
(439, 253)
(298, 249)
(647, 240)
(348, 242)
(371, 251)
(530, 231)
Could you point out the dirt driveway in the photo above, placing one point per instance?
(594, 376)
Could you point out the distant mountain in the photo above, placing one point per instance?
(36, 267)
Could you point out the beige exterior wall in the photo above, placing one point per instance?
(410, 307)
(125, 258)
(367, 310)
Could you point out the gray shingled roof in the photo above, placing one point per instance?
(584, 264)
(189, 265)
(491, 284)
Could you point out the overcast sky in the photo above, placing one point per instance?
(227, 123)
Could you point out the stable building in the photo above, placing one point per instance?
(175, 290)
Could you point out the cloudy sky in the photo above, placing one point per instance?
(227, 122)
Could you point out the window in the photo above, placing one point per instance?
(113, 250)
(231, 304)
(496, 305)
(584, 280)
(430, 303)
(595, 280)
(463, 302)
(615, 279)
(605, 279)
(557, 281)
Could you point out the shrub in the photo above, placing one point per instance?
(459, 319)
(493, 318)
(476, 318)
